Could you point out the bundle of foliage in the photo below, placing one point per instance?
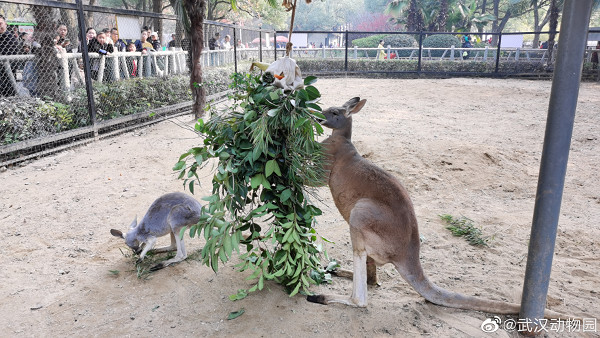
(266, 153)
(441, 41)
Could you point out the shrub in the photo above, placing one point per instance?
(441, 41)
(369, 42)
(401, 40)
(394, 40)
(23, 118)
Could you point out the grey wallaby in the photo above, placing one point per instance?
(168, 214)
(383, 224)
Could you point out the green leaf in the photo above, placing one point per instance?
(273, 112)
(241, 294)
(256, 180)
(272, 167)
(296, 289)
(310, 80)
(313, 93)
(274, 95)
(184, 155)
(179, 165)
(235, 314)
(285, 195)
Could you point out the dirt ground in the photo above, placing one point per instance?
(467, 147)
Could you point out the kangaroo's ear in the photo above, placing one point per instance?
(134, 223)
(356, 107)
(353, 101)
(117, 233)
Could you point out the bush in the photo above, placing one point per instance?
(394, 40)
(401, 40)
(23, 118)
(369, 42)
(441, 41)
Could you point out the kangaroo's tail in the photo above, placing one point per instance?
(437, 295)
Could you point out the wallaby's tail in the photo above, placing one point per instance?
(437, 295)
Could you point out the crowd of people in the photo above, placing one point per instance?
(103, 42)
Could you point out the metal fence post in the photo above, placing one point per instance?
(420, 52)
(555, 154)
(235, 50)
(346, 61)
(260, 58)
(275, 44)
(498, 52)
(86, 67)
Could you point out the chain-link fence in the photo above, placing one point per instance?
(72, 73)
(523, 54)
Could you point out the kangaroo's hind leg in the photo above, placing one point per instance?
(371, 272)
(169, 248)
(178, 219)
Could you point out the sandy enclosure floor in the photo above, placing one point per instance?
(461, 146)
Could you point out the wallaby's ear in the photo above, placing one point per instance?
(353, 101)
(117, 233)
(134, 223)
(356, 107)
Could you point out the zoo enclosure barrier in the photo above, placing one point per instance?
(429, 53)
(56, 93)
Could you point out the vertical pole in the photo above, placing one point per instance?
(553, 167)
(86, 67)
(420, 52)
(346, 54)
(235, 50)
(498, 52)
(260, 46)
(275, 44)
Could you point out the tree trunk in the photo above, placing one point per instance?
(45, 57)
(414, 20)
(554, 11)
(158, 23)
(443, 16)
(195, 10)
(89, 17)
(483, 10)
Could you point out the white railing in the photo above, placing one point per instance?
(484, 54)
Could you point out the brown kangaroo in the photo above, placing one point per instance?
(383, 224)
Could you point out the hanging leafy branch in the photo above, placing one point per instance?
(266, 153)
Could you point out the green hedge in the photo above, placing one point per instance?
(441, 41)
(23, 118)
(365, 65)
(394, 40)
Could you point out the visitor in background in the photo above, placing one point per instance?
(139, 44)
(380, 51)
(120, 45)
(155, 41)
(8, 46)
(131, 60)
(62, 39)
(173, 42)
(101, 46)
(595, 56)
(226, 43)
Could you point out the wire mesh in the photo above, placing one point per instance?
(139, 72)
